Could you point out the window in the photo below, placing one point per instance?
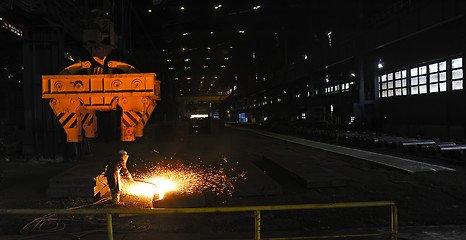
(431, 78)
(418, 80)
(386, 92)
(401, 84)
(457, 74)
(242, 118)
(393, 84)
(438, 77)
(344, 87)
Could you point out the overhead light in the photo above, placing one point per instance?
(256, 7)
(353, 74)
(327, 79)
(198, 116)
(185, 34)
(211, 33)
(187, 60)
(380, 64)
(183, 49)
(149, 11)
(182, 8)
(241, 31)
(329, 34)
(208, 48)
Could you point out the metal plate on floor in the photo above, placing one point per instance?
(387, 160)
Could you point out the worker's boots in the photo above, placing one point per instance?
(116, 198)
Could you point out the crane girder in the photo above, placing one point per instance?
(75, 98)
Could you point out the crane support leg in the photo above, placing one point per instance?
(129, 120)
(135, 111)
(89, 121)
(67, 112)
(145, 118)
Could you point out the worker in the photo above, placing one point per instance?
(112, 172)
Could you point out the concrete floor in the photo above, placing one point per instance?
(430, 204)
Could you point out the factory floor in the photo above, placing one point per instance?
(431, 205)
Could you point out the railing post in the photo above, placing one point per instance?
(394, 226)
(257, 229)
(109, 226)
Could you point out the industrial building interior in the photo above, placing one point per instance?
(235, 104)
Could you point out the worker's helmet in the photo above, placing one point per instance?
(122, 152)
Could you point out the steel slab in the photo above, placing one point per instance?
(387, 160)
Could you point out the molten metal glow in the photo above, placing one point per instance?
(160, 186)
(139, 188)
(163, 186)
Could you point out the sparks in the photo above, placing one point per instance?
(175, 177)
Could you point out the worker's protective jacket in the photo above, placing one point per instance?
(112, 172)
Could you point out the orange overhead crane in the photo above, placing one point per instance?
(75, 97)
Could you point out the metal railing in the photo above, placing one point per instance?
(256, 209)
